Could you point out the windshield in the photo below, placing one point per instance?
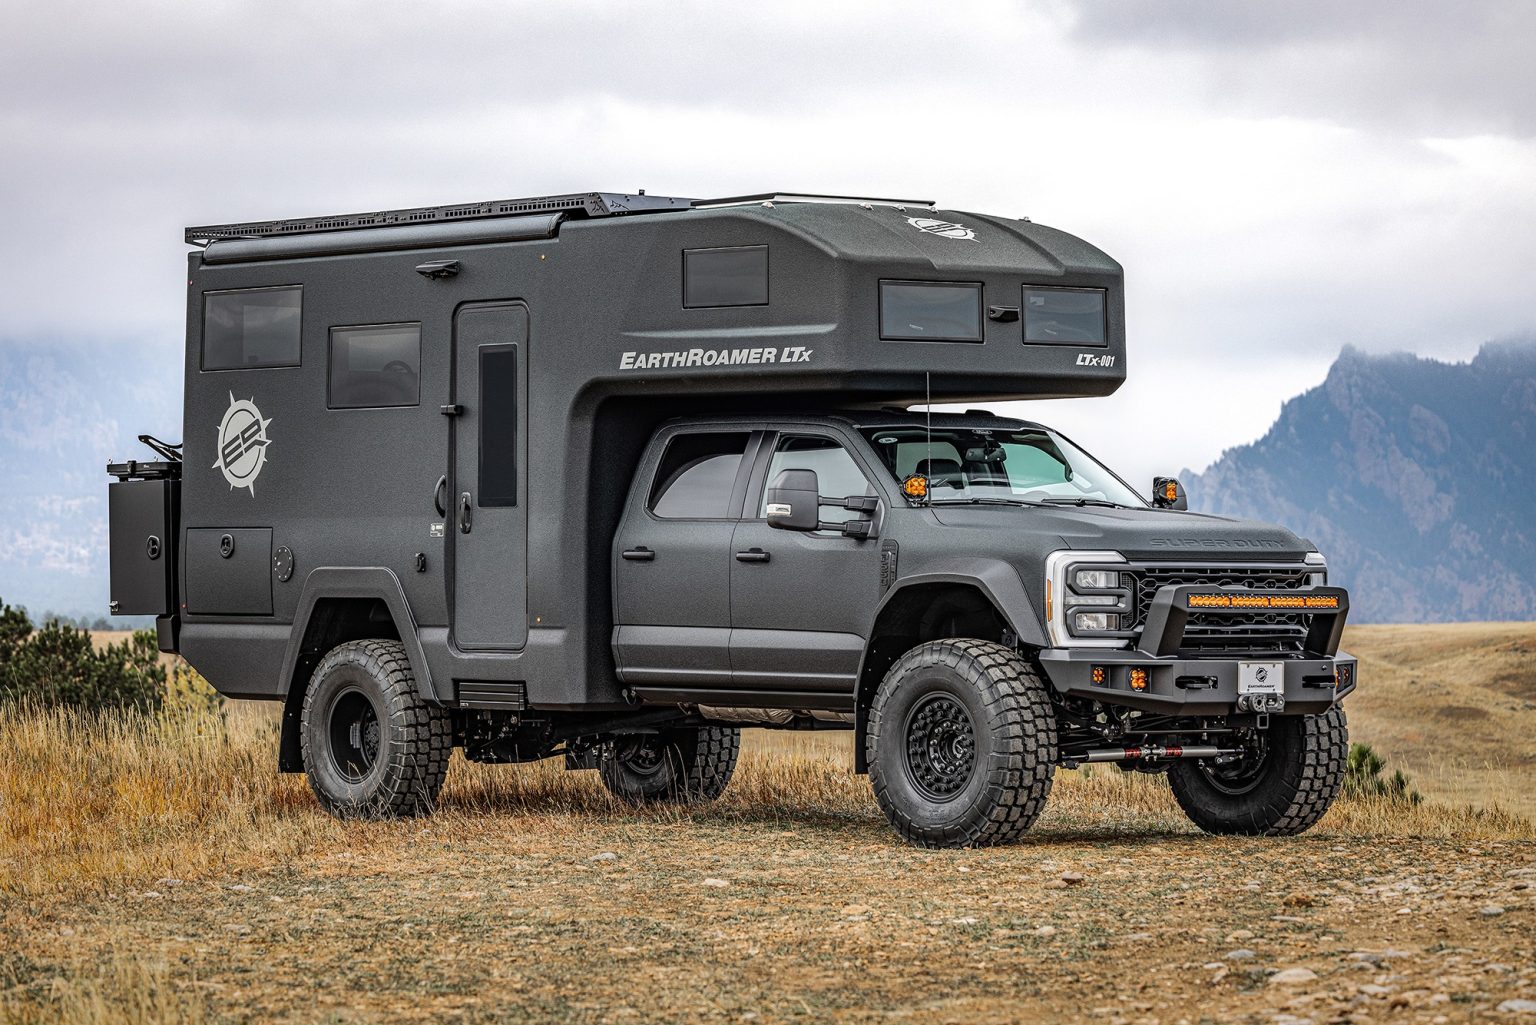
(978, 465)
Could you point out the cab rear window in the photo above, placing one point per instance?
(930, 311)
(697, 476)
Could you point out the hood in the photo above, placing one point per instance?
(1136, 533)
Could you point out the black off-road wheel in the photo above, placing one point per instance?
(1281, 786)
(680, 766)
(961, 744)
(372, 747)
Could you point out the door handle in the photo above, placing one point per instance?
(464, 516)
(440, 495)
(641, 554)
(752, 555)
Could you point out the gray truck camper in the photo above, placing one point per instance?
(608, 477)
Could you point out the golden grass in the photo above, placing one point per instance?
(89, 802)
(132, 990)
(121, 838)
(1454, 706)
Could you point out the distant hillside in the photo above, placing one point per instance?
(1416, 478)
(64, 411)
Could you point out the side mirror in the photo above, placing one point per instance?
(1168, 493)
(794, 501)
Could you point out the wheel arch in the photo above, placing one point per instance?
(338, 605)
(982, 598)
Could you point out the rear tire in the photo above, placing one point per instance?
(684, 765)
(372, 747)
(961, 744)
(1280, 791)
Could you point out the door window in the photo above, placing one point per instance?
(837, 475)
(697, 476)
(498, 425)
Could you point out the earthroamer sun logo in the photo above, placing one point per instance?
(242, 444)
(947, 229)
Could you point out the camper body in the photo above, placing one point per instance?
(608, 477)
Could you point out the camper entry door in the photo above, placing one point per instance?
(488, 521)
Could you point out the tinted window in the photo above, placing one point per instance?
(930, 311)
(837, 475)
(725, 277)
(697, 475)
(498, 425)
(375, 366)
(252, 327)
(1066, 316)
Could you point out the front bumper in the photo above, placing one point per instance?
(1200, 685)
(1192, 687)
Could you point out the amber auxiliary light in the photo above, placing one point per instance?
(1263, 601)
(1138, 679)
(915, 486)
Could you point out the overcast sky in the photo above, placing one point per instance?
(1278, 180)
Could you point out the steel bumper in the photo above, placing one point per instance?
(1176, 685)
(1205, 687)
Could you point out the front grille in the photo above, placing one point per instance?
(1247, 633)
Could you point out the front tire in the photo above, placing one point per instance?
(685, 765)
(961, 744)
(372, 747)
(1281, 788)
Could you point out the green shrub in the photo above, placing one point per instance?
(56, 665)
(1363, 777)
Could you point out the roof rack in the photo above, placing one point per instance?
(769, 198)
(578, 204)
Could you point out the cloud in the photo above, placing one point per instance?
(1418, 66)
(1277, 181)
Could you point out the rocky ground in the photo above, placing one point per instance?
(833, 920)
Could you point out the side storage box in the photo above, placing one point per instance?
(229, 572)
(142, 517)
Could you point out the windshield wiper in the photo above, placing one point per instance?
(1085, 501)
(980, 501)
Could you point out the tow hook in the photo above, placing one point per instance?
(1261, 702)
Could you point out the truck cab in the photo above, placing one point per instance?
(610, 477)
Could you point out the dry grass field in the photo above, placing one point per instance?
(161, 871)
(1454, 706)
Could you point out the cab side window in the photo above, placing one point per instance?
(837, 475)
(697, 476)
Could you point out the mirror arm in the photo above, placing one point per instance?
(857, 503)
(860, 529)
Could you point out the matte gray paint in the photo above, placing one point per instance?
(488, 559)
(354, 488)
(359, 582)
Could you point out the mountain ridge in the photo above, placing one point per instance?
(1414, 476)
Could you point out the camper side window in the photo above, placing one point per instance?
(374, 366)
(252, 327)
(737, 276)
(697, 476)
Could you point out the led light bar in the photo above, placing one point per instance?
(1263, 601)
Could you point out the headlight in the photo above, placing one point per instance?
(1088, 599)
(1096, 578)
(1319, 578)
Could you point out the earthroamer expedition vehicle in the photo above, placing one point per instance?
(608, 477)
